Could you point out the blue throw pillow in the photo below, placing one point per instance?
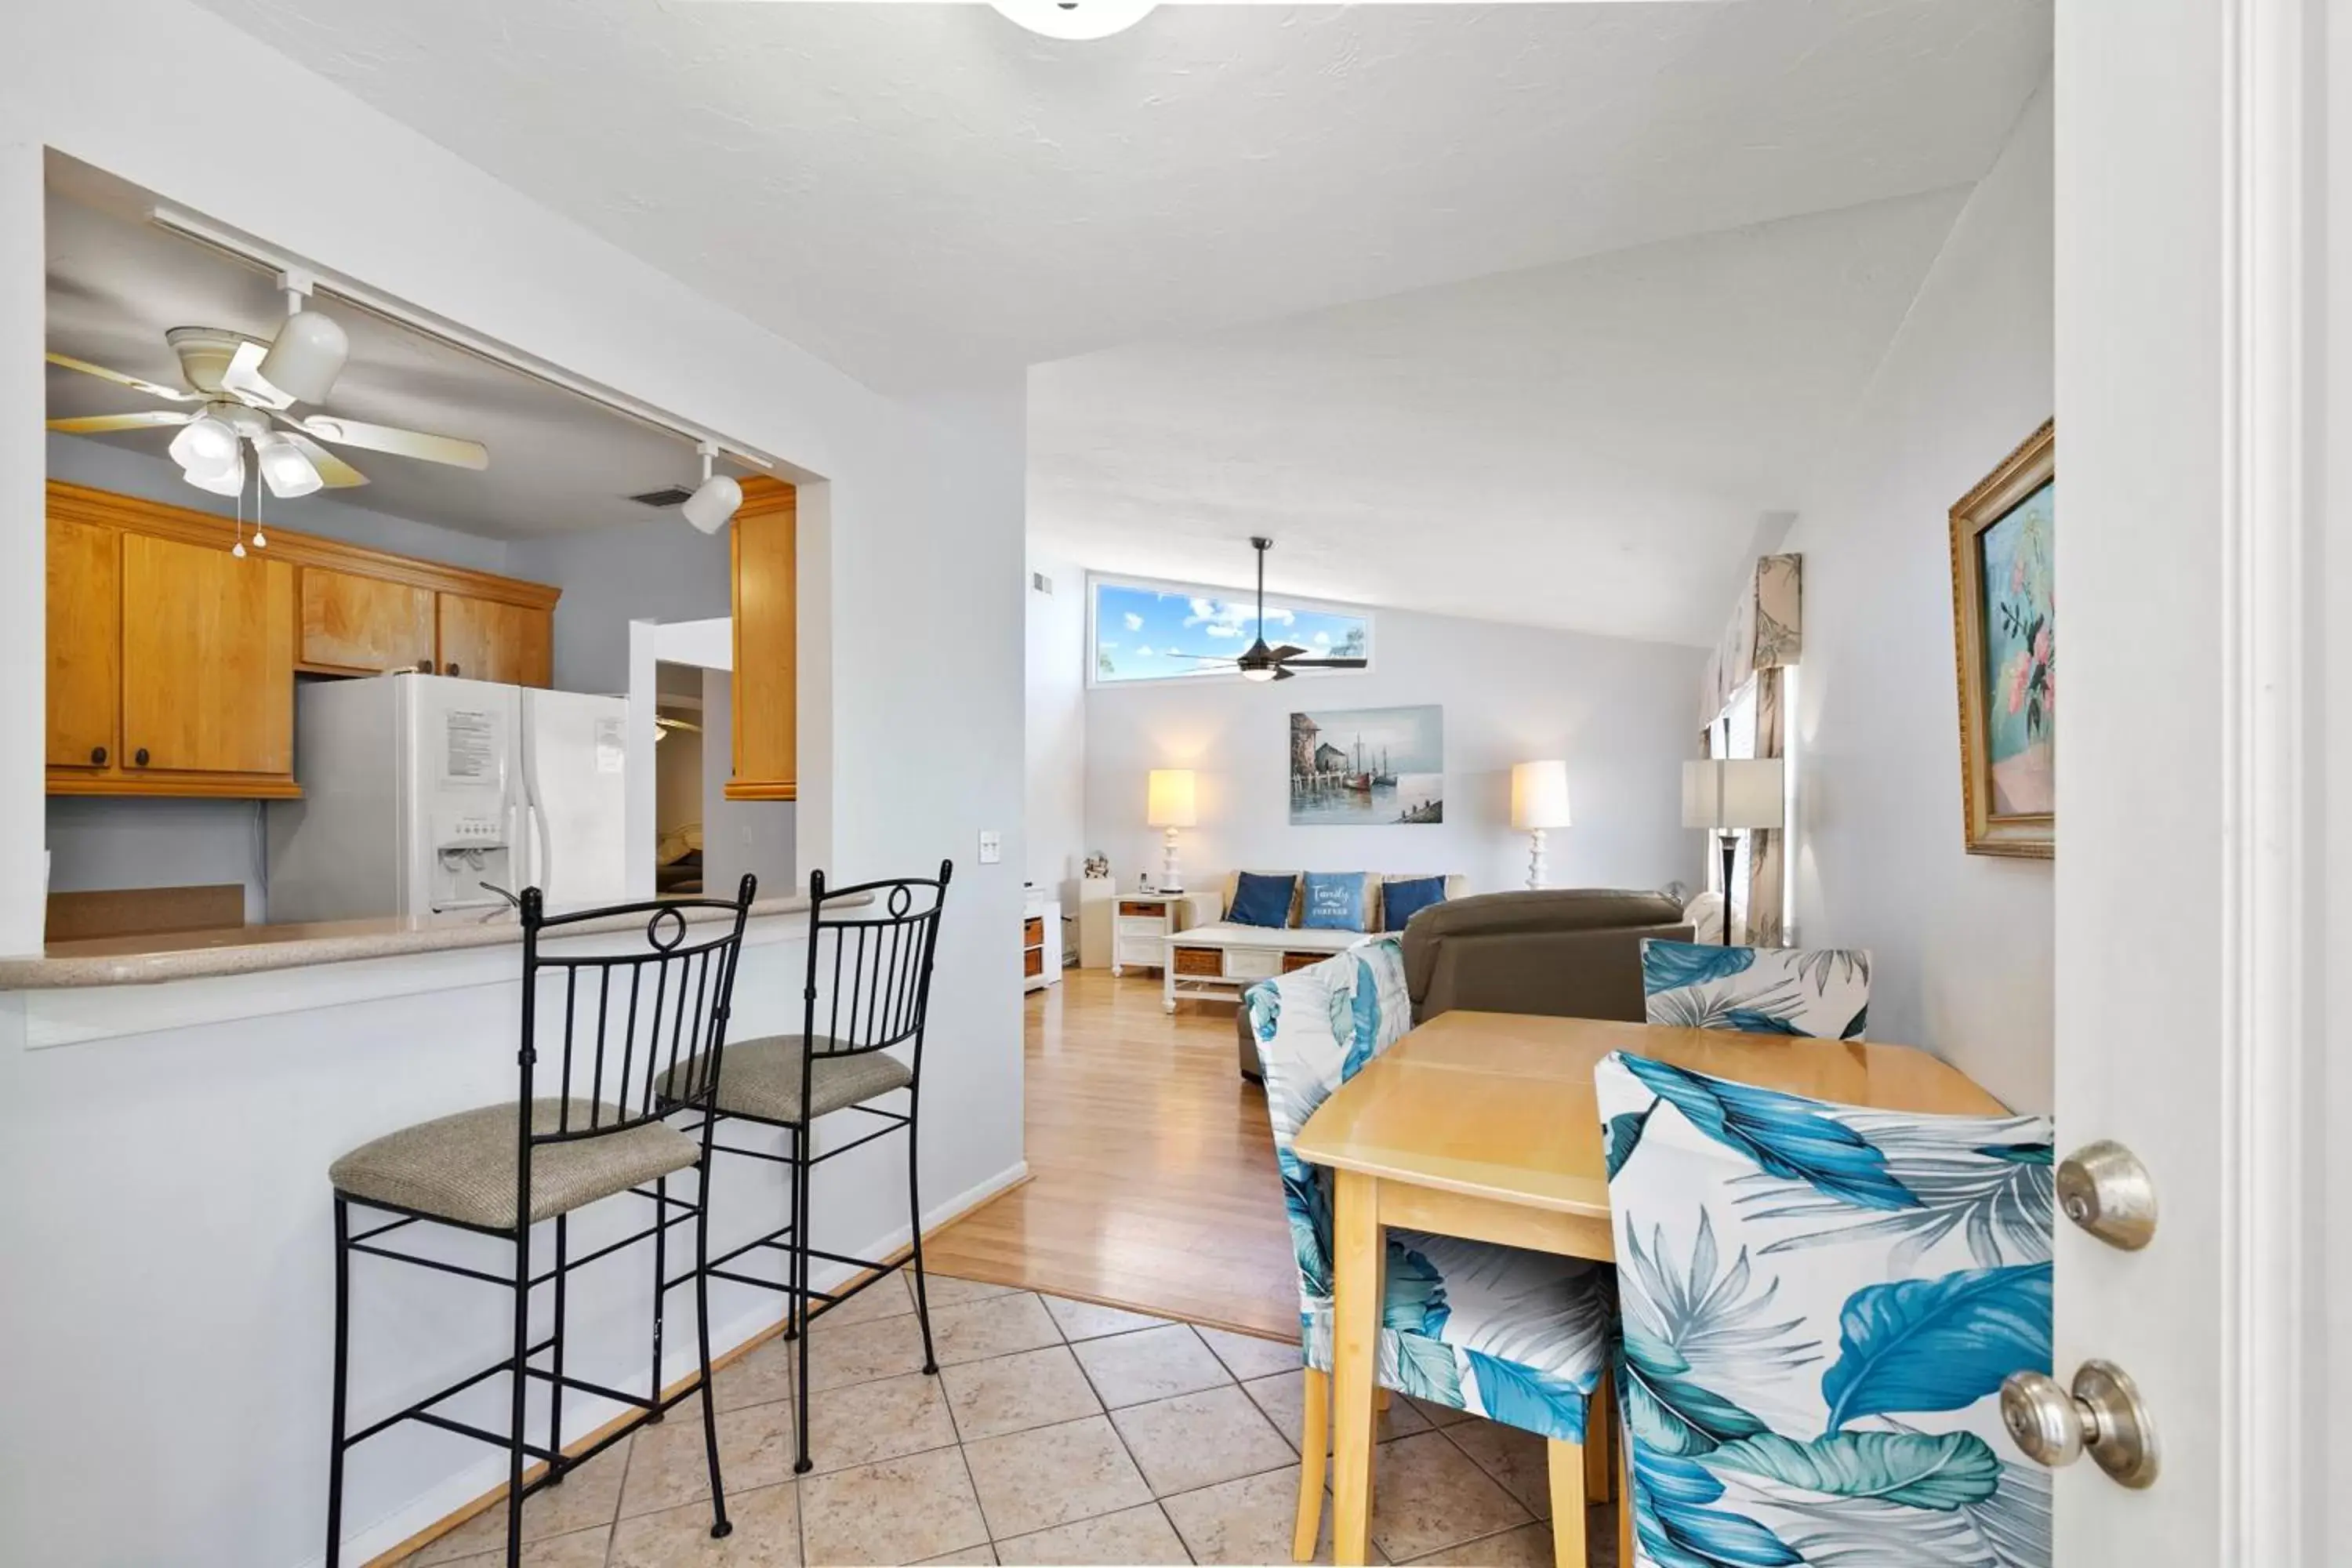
(1262, 901)
(1334, 901)
(1399, 899)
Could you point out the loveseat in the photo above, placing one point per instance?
(1567, 953)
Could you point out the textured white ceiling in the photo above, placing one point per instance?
(558, 462)
(932, 198)
(1591, 444)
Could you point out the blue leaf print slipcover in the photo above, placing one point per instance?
(1519, 1337)
(1819, 1304)
(1822, 992)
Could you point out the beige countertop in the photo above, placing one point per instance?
(160, 956)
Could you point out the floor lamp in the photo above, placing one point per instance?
(1729, 796)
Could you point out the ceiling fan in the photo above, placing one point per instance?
(244, 388)
(1259, 662)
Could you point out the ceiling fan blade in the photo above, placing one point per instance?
(1325, 663)
(93, 424)
(243, 378)
(153, 389)
(1284, 672)
(454, 450)
(336, 473)
(1212, 657)
(1288, 650)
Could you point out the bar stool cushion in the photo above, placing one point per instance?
(462, 1167)
(762, 1078)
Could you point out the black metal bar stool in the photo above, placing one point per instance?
(869, 986)
(640, 1008)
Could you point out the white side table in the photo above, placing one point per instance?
(1142, 923)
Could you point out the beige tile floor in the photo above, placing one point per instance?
(1054, 1432)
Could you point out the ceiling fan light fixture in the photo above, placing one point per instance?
(205, 445)
(306, 357)
(284, 468)
(1076, 20)
(226, 482)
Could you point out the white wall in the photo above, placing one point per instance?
(1962, 943)
(1056, 725)
(658, 570)
(1620, 712)
(167, 1159)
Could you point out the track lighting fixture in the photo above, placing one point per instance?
(716, 498)
(309, 350)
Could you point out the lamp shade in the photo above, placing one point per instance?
(1539, 795)
(1170, 802)
(1729, 792)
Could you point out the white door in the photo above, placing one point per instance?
(2192, 955)
(575, 779)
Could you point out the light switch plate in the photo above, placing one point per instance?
(992, 847)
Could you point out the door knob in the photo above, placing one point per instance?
(2105, 1189)
(2102, 1415)
(98, 756)
(139, 756)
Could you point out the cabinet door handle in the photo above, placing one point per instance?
(424, 666)
(139, 756)
(98, 756)
(452, 667)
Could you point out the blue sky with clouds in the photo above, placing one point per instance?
(1139, 632)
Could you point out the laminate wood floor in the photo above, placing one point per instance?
(1152, 1182)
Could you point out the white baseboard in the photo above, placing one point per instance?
(460, 1490)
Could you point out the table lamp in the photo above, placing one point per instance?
(1170, 805)
(1539, 802)
(1729, 796)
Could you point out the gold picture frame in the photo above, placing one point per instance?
(2003, 647)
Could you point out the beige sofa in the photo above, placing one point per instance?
(1220, 959)
(1567, 953)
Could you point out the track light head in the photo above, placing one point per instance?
(715, 499)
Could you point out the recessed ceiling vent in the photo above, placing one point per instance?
(667, 496)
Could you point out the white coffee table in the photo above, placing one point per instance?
(1224, 959)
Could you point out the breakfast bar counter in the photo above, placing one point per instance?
(155, 957)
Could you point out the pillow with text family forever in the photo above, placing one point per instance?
(1335, 901)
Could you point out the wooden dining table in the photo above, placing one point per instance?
(1485, 1125)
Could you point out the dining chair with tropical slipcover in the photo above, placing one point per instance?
(1821, 991)
(1819, 1305)
(1519, 1337)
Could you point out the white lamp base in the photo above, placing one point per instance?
(1538, 870)
(1172, 881)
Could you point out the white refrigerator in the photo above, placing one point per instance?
(426, 794)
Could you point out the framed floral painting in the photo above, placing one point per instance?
(2004, 615)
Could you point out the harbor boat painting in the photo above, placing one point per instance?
(1363, 767)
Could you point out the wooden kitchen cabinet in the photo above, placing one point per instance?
(365, 626)
(207, 660)
(484, 639)
(765, 543)
(162, 642)
(85, 599)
